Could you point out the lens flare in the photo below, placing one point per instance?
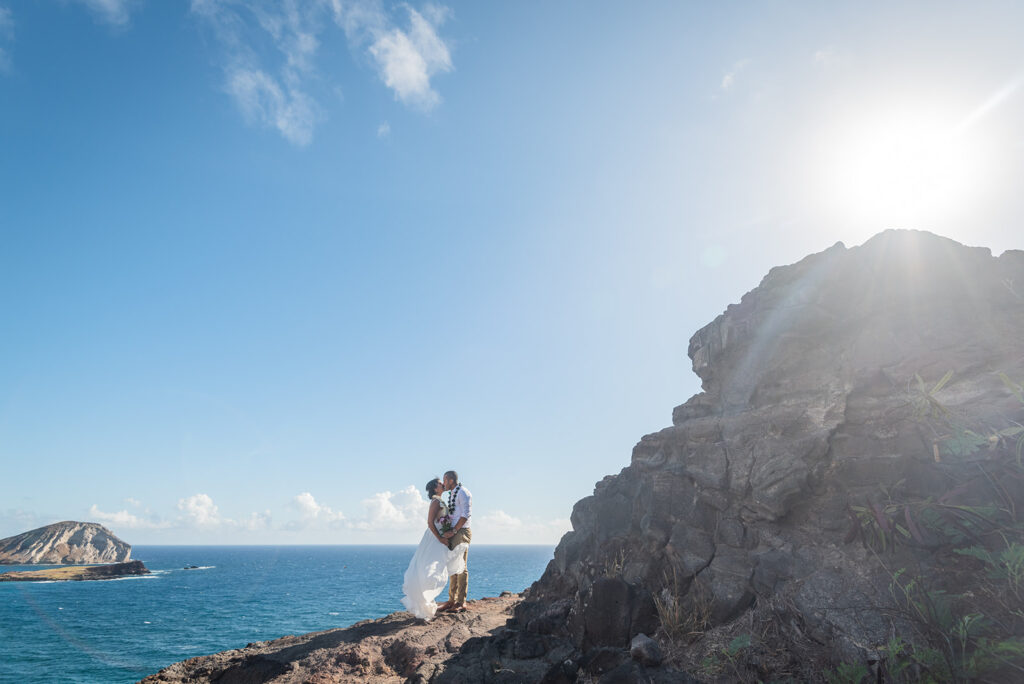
(902, 168)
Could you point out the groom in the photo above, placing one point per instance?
(460, 503)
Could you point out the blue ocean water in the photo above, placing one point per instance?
(122, 630)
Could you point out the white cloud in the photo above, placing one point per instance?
(270, 49)
(729, 80)
(407, 60)
(311, 510)
(125, 519)
(384, 130)
(257, 522)
(269, 86)
(116, 12)
(200, 511)
(404, 510)
(498, 527)
(262, 99)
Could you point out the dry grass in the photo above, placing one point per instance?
(53, 574)
(684, 611)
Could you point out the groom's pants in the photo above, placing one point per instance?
(459, 584)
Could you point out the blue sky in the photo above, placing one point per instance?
(267, 267)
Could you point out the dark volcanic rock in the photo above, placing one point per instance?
(810, 403)
(64, 542)
(646, 650)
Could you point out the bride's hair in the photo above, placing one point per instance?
(432, 487)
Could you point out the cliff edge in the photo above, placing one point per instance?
(396, 648)
(64, 542)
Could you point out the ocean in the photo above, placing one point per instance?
(122, 630)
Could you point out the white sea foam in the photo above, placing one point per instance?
(132, 577)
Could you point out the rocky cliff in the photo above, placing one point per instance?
(854, 453)
(65, 542)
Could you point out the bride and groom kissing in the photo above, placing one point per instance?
(442, 552)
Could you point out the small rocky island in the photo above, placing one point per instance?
(67, 542)
(78, 573)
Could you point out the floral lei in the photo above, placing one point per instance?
(451, 496)
(446, 519)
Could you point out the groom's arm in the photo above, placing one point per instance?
(458, 526)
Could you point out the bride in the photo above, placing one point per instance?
(433, 562)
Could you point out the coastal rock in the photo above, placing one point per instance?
(822, 390)
(646, 650)
(64, 542)
(398, 648)
(78, 573)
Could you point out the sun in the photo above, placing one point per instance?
(905, 167)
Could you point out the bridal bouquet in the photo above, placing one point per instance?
(445, 523)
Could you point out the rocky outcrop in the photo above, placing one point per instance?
(64, 542)
(78, 573)
(393, 649)
(839, 398)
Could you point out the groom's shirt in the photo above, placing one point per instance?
(463, 507)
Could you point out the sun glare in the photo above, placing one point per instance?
(902, 168)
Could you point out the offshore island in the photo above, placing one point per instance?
(78, 573)
(86, 551)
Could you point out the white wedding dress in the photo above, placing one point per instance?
(428, 572)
